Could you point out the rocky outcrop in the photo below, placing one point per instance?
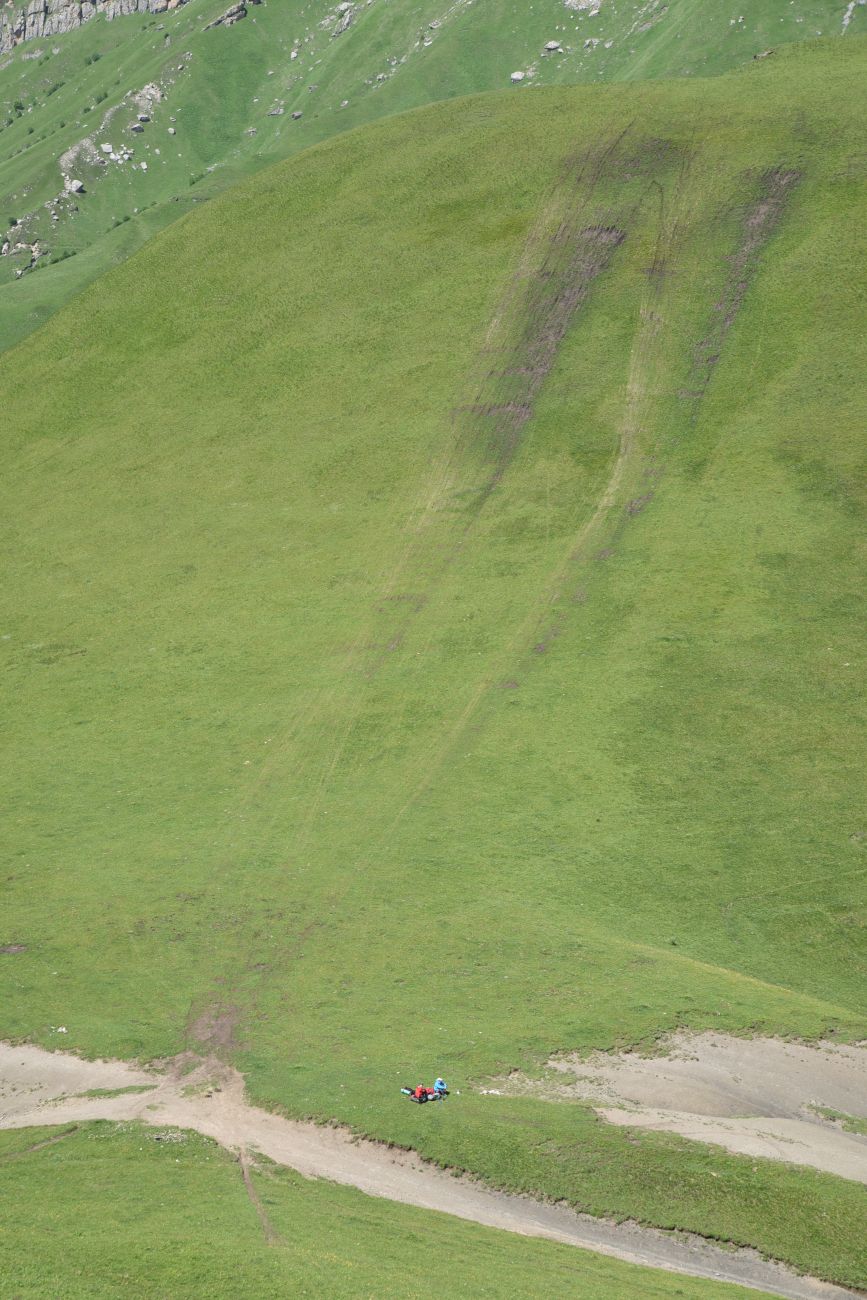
(233, 14)
(345, 18)
(29, 20)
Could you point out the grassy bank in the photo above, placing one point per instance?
(110, 1211)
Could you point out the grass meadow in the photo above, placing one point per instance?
(109, 1211)
(376, 708)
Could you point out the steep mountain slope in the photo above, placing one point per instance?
(432, 625)
(220, 102)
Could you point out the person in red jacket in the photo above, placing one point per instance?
(420, 1093)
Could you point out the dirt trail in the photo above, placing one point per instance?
(757, 1097)
(44, 1088)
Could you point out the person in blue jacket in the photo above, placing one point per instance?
(440, 1088)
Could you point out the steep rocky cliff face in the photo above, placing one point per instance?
(45, 18)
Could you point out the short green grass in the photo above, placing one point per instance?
(117, 1092)
(318, 730)
(850, 1123)
(812, 1220)
(107, 1211)
(224, 101)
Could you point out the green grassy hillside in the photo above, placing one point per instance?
(229, 94)
(97, 1214)
(432, 627)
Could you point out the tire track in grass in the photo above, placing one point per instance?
(520, 347)
(762, 216)
(564, 253)
(497, 441)
(570, 244)
(38, 1146)
(525, 641)
(272, 1236)
(560, 261)
(449, 473)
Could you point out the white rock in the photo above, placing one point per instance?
(518, 76)
(107, 148)
(552, 45)
(143, 166)
(345, 15)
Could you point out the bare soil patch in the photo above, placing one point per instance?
(760, 219)
(214, 1029)
(757, 1096)
(540, 318)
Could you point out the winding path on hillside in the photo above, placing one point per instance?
(40, 1088)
